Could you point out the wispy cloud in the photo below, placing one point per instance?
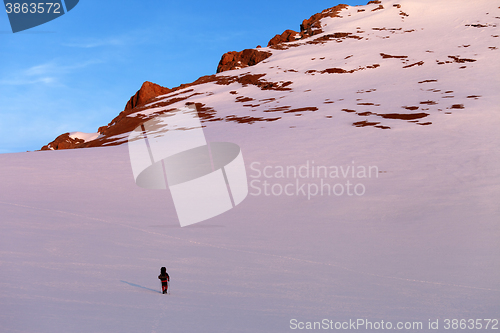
(46, 73)
(95, 42)
(130, 38)
(17, 81)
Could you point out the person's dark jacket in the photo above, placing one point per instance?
(164, 277)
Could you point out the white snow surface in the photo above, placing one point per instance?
(84, 136)
(81, 245)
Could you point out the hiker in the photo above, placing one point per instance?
(164, 278)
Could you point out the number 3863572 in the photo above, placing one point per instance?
(40, 8)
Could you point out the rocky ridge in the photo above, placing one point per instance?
(229, 61)
(382, 66)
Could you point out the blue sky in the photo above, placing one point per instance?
(77, 72)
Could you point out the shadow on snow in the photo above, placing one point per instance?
(139, 286)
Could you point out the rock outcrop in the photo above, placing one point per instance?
(249, 57)
(308, 28)
(287, 36)
(236, 60)
(148, 90)
(64, 141)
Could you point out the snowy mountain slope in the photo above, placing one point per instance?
(81, 245)
(421, 244)
(389, 65)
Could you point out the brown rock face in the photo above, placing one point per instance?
(312, 26)
(147, 91)
(308, 28)
(234, 60)
(287, 36)
(64, 141)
